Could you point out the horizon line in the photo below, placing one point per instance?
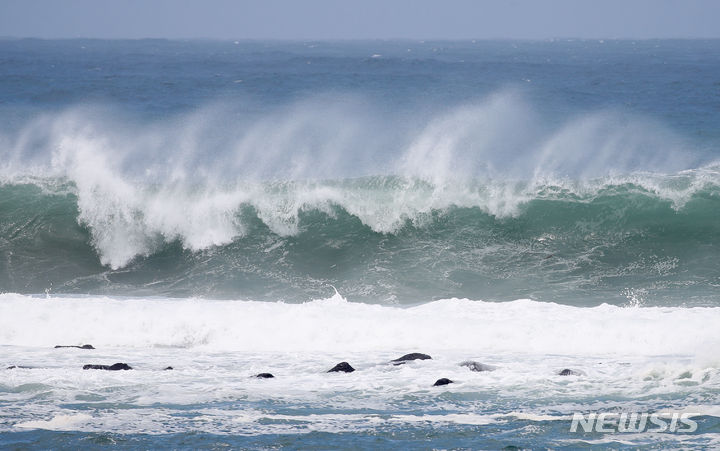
(400, 39)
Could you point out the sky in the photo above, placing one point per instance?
(360, 19)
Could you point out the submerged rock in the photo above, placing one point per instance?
(113, 367)
(410, 357)
(342, 367)
(264, 376)
(477, 366)
(19, 367)
(75, 346)
(569, 372)
(442, 381)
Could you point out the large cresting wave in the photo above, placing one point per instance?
(485, 200)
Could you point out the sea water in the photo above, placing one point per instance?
(232, 208)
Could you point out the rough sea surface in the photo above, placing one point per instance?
(234, 208)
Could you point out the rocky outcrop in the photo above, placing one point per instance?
(75, 346)
(113, 367)
(477, 366)
(410, 357)
(264, 376)
(569, 372)
(342, 367)
(442, 381)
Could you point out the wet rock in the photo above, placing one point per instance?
(113, 367)
(19, 367)
(477, 366)
(167, 368)
(264, 376)
(569, 372)
(442, 381)
(342, 367)
(410, 357)
(75, 346)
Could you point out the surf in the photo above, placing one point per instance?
(335, 326)
(484, 198)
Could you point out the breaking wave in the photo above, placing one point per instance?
(482, 198)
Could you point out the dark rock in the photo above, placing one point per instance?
(19, 367)
(264, 376)
(113, 367)
(569, 372)
(75, 346)
(477, 366)
(342, 367)
(442, 381)
(168, 368)
(410, 357)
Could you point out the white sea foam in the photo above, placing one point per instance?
(258, 422)
(335, 325)
(631, 358)
(57, 423)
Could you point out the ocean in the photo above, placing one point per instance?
(549, 210)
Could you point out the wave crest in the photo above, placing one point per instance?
(489, 182)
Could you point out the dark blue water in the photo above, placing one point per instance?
(675, 81)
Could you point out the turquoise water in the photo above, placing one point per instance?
(232, 208)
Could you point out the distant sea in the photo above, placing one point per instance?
(234, 208)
